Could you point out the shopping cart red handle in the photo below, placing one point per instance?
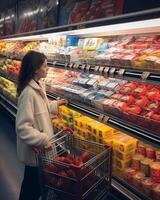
(35, 149)
(66, 129)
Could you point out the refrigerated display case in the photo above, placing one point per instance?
(109, 72)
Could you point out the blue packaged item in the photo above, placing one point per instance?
(72, 40)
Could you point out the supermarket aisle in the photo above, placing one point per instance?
(11, 170)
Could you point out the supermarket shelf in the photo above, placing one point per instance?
(111, 120)
(8, 105)
(126, 190)
(9, 77)
(107, 71)
(108, 119)
(111, 71)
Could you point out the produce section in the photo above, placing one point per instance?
(95, 73)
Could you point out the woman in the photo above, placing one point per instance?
(33, 120)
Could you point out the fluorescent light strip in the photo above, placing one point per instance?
(138, 27)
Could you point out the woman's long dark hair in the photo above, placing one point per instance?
(30, 63)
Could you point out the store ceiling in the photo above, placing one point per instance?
(4, 4)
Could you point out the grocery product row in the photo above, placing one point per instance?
(136, 51)
(131, 101)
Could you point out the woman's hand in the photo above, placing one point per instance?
(48, 146)
(62, 102)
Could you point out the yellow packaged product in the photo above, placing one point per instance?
(117, 171)
(109, 141)
(92, 43)
(82, 121)
(82, 132)
(124, 155)
(125, 144)
(120, 164)
(99, 130)
(80, 143)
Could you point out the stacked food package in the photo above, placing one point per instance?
(8, 89)
(144, 170)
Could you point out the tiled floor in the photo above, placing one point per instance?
(11, 170)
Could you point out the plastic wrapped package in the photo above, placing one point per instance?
(136, 161)
(98, 100)
(127, 60)
(155, 171)
(145, 166)
(127, 88)
(129, 99)
(106, 93)
(108, 105)
(156, 191)
(138, 178)
(158, 155)
(128, 175)
(151, 152)
(147, 184)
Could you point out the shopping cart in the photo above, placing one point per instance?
(75, 169)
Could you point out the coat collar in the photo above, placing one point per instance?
(40, 88)
(34, 85)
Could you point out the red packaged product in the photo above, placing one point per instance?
(153, 94)
(150, 153)
(128, 99)
(152, 106)
(158, 155)
(155, 171)
(127, 59)
(147, 184)
(137, 179)
(136, 161)
(141, 149)
(156, 116)
(156, 192)
(133, 109)
(117, 96)
(141, 101)
(140, 90)
(128, 88)
(128, 174)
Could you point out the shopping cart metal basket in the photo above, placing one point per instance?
(75, 169)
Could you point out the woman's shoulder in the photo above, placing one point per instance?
(26, 94)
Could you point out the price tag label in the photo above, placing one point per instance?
(101, 69)
(83, 67)
(71, 65)
(88, 68)
(106, 70)
(112, 71)
(145, 75)
(54, 62)
(105, 119)
(75, 66)
(81, 26)
(121, 72)
(65, 65)
(101, 117)
(96, 69)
